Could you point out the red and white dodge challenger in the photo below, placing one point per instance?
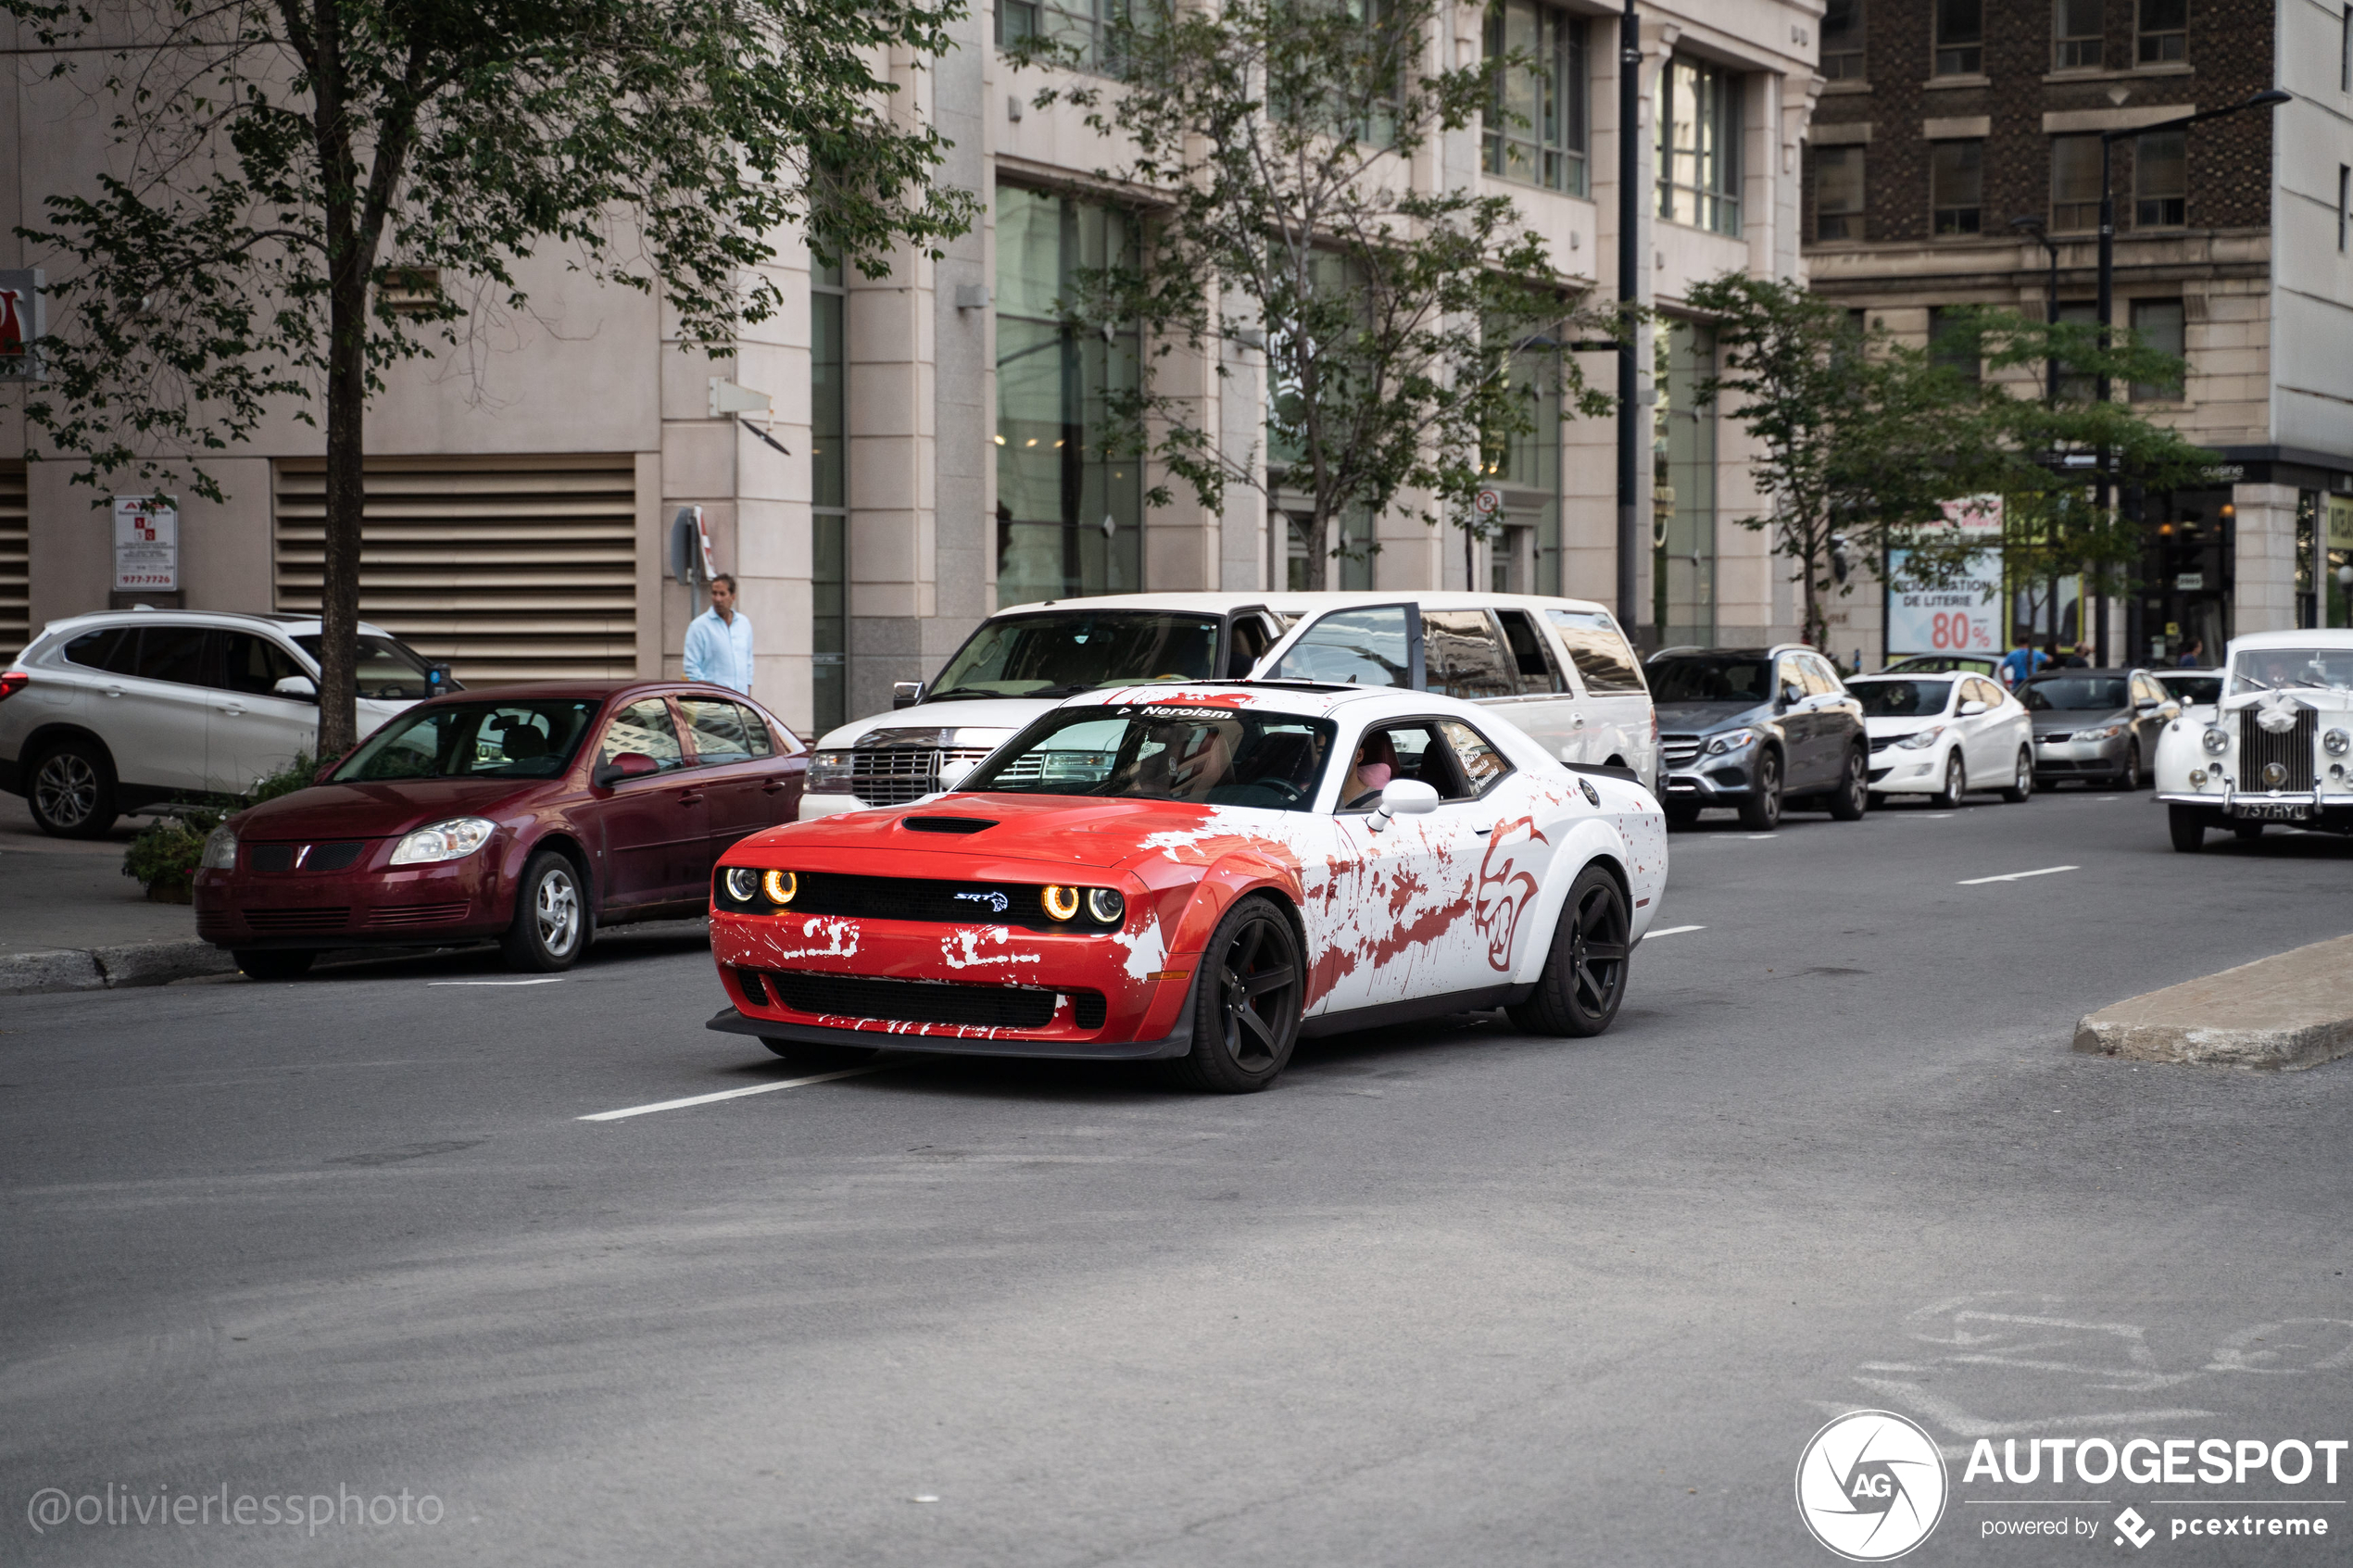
(1201, 873)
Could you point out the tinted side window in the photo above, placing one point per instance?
(1463, 659)
(253, 664)
(1530, 657)
(1399, 751)
(1251, 642)
(756, 732)
(112, 648)
(1598, 650)
(718, 730)
(1481, 762)
(644, 726)
(1821, 681)
(1368, 647)
(173, 652)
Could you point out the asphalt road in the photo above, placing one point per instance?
(1447, 1296)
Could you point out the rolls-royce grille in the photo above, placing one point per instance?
(915, 898)
(1679, 751)
(914, 1001)
(2259, 747)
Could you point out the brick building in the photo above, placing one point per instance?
(1943, 122)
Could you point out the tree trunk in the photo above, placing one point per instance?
(1319, 551)
(346, 501)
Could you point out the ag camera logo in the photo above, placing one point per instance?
(1872, 1485)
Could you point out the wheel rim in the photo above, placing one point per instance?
(1858, 794)
(1597, 949)
(1256, 983)
(2025, 774)
(2132, 768)
(1952, 781)
(556, 909)
(1769, 785)
(66, 790)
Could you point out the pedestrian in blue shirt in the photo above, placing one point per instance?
(2022, 661)
(719, 641)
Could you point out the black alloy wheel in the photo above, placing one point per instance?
(2130, 779)
(2021, 787)
(71, 791)
(550, 928)
(1762, 810)
(1956, 783)
(1852, 797)
(1584, 976)
(2187, 824)
(273, 963)
(1249, 994)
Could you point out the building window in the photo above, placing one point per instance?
(2344, 202)
(1069, 502)
(2075, 183)
(1842, 41)
(1699, 147)
(1524, 551)
(2159, 325)
(2344, 51)
(1838, 193)
(1957, 186)
(829, 492)
(2160, 181)
(1952, 344)
(2164, 31)
(1537, 133)
(1086, 26)
(1961, 37)
(2074, 387)
(2077, 30)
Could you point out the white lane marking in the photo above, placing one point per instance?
(543, 980)
(1671, 930)
(1936, 816)
(2015, 876)
(1754, 836)
(735, 1094)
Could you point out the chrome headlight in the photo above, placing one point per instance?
(2109, 732)
(1923, 740)
(2275, 774)
(739, 883)
(2216, 741)
(828, 774)
(1730, 741)
(452, 840)
(1105, 905)
(221, 850)
(2336, 742)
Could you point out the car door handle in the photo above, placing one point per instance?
(1578, 720)
(1485, 831)
(690, 800)
(114, 691)
(235, 710)
(773, 785)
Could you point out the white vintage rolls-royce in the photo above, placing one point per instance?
(2277, 748)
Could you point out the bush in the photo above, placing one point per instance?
(165, 855)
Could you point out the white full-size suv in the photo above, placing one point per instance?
(111, 712)
(1560, 669)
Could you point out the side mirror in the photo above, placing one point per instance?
(302, 688)
(623, 765)
(1402, 798)
(953, 770)
(1792, 696)
(1971, 708)
(906, 693)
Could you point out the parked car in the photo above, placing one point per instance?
(532, 814)
(110, 713)
(1947, 664)
(1559, 668)
(2191, 688)
(2097, 726)
(2277, 748)
(1942, 736)
(1201, 873)
(1757, 730)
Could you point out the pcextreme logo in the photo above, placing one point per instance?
(1870, 1485)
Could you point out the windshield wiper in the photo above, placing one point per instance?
(960, 691)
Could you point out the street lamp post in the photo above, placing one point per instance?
(2108, 264)
(2040, 232)
(1629, 257)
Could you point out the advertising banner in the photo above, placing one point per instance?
(1965, 615)
(147, 545)
(23, 320)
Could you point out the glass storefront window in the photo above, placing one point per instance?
(1524, 555)
(1069, 508)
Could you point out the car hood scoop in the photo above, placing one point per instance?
(946, 824)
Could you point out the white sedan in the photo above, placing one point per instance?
(1942, 736)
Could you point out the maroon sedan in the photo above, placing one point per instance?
(533, 815)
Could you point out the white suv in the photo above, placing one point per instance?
(1558, 669)
(103, 714)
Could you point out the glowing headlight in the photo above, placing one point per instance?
(1062, 903)
(1105, 905)
(2216, 742)
(1923, 740)
(741, 883)
(828, 774)
(452, 840)
(779, 886)
(1731, 740)
(220, 850)
(2336, 742)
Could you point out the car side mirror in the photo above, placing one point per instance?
(1792, 696)
(623, 765)
(906, 693)
(953, 770)
(1402, 798)
(302, 688)
(1971, 708)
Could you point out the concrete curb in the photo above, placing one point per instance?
(104, 969)
(2280, 1013)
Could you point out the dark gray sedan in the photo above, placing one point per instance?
(2097, 726)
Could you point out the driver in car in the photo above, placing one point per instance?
(1376, 765)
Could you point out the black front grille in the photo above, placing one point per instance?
(913, 1001)
(299, 920)
(915, 898)
(271, 858)
(2292, 750)
(1678, 750)
(320, 858)
(756, 993)
(1087, 1009)
(332, 857)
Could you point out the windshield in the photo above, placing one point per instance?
(1209, 756)
(473, 740)
(1063, 654)
(2194, 688)
(1901, 699)
(1706, 677)
(389, 670)
(2073, 694)
(2263, 669)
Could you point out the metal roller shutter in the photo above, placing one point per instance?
(15, 563)
(508, 569)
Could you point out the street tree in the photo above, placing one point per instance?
(1268, 145)
(302, 193)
